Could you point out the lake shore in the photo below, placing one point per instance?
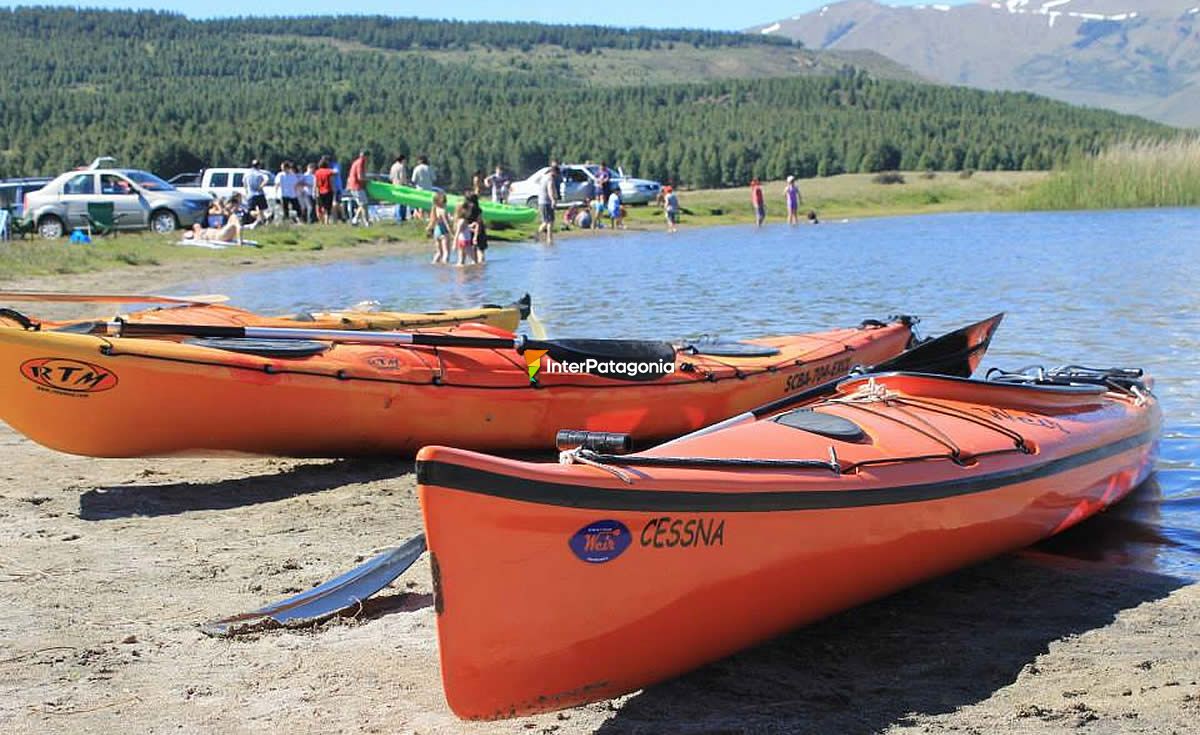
(109, 566)
(143, 261)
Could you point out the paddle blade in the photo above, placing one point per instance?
(328, 599)
(956, 354)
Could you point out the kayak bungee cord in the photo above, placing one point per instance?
(579, 447)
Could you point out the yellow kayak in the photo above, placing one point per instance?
(503, 317)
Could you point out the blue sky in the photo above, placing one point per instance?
(661, 13)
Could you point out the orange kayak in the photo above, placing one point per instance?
(504, 317)
(133, 397)
(561, 584)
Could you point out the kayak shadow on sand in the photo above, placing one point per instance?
(946, 644)
(124, 501)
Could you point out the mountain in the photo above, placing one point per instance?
(1135, 56)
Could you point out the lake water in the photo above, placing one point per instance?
(1102, 289)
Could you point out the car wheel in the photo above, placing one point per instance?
(531, 202)
(50, 227)
(164, 222)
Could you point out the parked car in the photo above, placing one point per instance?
(140, 200)
(222, 182)
(574, 186)
(13, 191)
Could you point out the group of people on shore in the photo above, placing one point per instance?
(316, 194)
(791, 198)
(601, 199)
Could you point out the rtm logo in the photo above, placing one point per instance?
(533, 363)
(72, 376)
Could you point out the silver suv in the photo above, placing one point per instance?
(140, 200)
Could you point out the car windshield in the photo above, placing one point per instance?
(148, 181)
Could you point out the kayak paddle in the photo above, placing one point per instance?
(110, 298)
(561, 350)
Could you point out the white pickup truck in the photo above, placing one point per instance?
(222, 182)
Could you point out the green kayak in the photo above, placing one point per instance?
(422, 199)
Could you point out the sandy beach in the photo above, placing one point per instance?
(107, 567)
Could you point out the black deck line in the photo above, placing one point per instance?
(458, 477)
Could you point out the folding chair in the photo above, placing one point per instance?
(101, 219)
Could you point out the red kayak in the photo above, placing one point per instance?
(560, 584)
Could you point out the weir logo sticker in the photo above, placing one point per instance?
(69, 376)
(667, 532)
(601, 541)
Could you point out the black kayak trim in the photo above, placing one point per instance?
(494, 484)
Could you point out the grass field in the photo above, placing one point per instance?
(850, 195)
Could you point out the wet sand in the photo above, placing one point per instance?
(108, 566)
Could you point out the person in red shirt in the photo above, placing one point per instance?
(760, 203)
(356, 184)
(324, 178)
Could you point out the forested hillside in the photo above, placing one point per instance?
(169, 94)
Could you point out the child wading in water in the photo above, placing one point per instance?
(760, 203)
(791, 193)
(439, 227)
(671, 207)
(467, 228)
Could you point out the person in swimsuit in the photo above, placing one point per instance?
(759, 202)
(439, 227)
(230, 232)
(791, 193)
(464, 233)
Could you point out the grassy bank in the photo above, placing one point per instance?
(283, 244)
(1147, 174)
(859, 195)
(852, 195)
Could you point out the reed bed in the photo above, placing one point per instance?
(1126, 175)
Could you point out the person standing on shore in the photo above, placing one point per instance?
(306, 190)
(356, 184)
(498, 182)
(422, 176)
(398, 176)
(671, 207)
(339, 213)
(323, 177)
(759, 202)
(603, 181)
(791, 193)
(256, 197)
(616, 209)
(547, 198)
(290, 182)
